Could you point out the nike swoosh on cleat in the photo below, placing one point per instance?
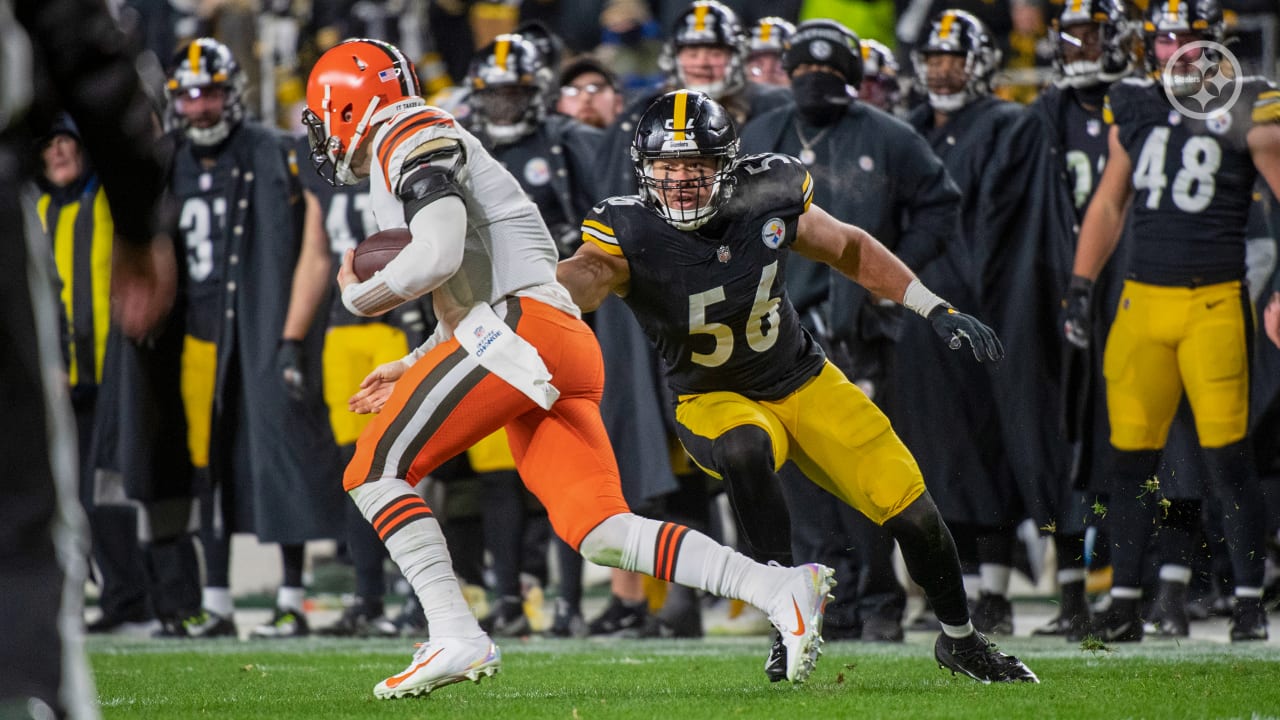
(799, 618)
(393, 682)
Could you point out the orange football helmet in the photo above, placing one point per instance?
(353, 86)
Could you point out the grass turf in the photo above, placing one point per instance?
(712, 678)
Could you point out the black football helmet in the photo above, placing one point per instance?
(769, 35)
(685, 124)
(1202, 18)
(708, 22)
(880, 71)
(956, 32)
(509, 83)
(1112, 41)
(199, 65)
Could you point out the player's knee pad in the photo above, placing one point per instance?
(1232, 475)
(744, 451)
(1131, 468)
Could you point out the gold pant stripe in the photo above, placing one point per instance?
(199, 375)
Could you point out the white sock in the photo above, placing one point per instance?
(1248, 592)
(957, 631)
(217, 599)
(994, 579)
(1120, 592)
(416, 544)
(675, 553)
(972, 585)
(1175, 573)
(290, 598)
(1070, 575)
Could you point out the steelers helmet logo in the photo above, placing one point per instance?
(773, 233)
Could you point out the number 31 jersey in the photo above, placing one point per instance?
(714, 300)
(1193, 180)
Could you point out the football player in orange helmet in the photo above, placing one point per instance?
(510, 351)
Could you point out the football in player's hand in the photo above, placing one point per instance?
(377, 250)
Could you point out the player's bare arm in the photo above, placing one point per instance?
(853, 252)
(591, 274)
(1264, 147)
(860, 257)
(1104, 220)
(310, 274)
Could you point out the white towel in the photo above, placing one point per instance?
(504, 353)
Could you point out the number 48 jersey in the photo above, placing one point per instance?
(1193, 180)
(714, 301)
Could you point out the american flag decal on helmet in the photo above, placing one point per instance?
(387, 75)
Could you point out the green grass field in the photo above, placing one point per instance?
(674, 680)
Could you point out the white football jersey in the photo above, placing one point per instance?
(508, 249)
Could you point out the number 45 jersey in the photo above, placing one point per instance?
(714, 300)
(1192, 179)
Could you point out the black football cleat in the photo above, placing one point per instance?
(980, 659)
(1248, 620)
(775, 666)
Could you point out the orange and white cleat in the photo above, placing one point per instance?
(797, 611)
(440, 662)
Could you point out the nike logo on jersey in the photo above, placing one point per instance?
(1213, 304)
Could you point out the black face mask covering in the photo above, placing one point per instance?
(821, 97)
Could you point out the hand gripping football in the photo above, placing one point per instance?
(377, 250)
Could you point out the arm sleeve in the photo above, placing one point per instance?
(932, 203)
(92, 70)
(432, 257)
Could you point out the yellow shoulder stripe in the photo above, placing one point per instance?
(1264, 114)
(610, 247)
(597, 225)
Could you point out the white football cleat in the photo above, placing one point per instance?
(440, 662)
(796, 611)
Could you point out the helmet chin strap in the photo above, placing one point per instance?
(209, 136)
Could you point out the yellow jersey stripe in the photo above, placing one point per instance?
(682, 100)
(808, 181)
(597, 225)
(606, 245)
(104, 231)
(64, 254)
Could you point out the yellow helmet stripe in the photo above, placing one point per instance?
(193, 56)
(766, 29)
(1173, 9)
(1075, 5)
(944, 29)
(678, 122)
(500, 52)
(700, 18)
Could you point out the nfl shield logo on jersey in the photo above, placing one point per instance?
(722, 253)
(773, 233)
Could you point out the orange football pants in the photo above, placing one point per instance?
(447, 402)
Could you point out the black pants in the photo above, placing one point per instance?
(38, 506)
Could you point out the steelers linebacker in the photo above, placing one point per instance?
(700, 258)
(1185, 179)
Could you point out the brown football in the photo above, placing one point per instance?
(377, 250)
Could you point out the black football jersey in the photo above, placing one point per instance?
(1193, 180)
(1085, 143)
(714, 301)
(202, 193)
(348, 218)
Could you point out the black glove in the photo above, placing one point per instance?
(955, 326)
(289, 362)
(1076, 324)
